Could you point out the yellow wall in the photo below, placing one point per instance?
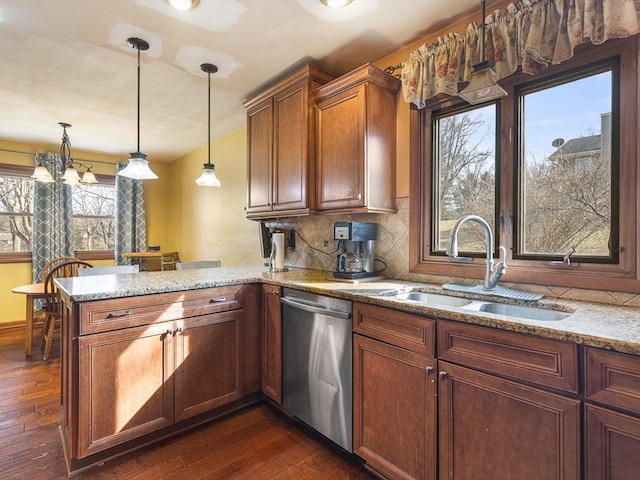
(210, 223)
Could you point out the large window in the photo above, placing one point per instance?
(567, 165)
(552, 167)
(93, 215)
(464, 166)
(16, 209)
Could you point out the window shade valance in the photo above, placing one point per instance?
(532, 34)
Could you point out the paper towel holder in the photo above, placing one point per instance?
(274, 252)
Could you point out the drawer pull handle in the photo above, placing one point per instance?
(118, 315)
(218, 300)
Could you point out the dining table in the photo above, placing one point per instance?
(32, 292)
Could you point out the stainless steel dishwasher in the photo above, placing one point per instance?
(316, 363)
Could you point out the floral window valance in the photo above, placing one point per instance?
(532, 34)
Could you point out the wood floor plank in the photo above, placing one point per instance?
(256, 443)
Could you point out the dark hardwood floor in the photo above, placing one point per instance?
(256, 443)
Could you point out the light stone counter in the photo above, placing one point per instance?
(598, 325)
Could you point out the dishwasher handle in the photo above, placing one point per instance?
(312, 309)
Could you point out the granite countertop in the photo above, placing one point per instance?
(594, 324)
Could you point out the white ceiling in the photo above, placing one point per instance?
(68, 61)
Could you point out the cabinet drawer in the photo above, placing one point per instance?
(401, 329)
(612, 378)
(105, 315)
(523, 357)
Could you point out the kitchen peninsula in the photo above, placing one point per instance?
(147, 355)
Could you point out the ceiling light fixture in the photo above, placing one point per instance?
(483, 85)
(138, 166)
(208, 177)
(336, 3)
(70, 176)
(183, 4)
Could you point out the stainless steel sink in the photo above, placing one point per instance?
(517, 311)
(434, 299)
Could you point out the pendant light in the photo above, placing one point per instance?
(138, 166)
(483, 86)
(208, 177)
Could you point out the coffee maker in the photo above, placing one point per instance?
(357, 241)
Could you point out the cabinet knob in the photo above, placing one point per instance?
(275, 292)
(179, 330)
(429, 369)
(169, 331)
(443, 374)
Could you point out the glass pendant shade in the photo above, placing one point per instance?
(483, 86)
(88, 177)
(138, 168)
(71, 176)
(208, 177)
(41, 174)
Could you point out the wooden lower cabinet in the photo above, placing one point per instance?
(612, 444)
(271, 343)
(394, 409)
(494, 428)
(126, 385)
(208, 369)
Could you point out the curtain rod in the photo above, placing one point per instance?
(73, 158)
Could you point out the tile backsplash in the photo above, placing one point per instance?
(316, 249)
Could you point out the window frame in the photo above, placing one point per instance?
(25, 257)
(610, 64)
(622, 276)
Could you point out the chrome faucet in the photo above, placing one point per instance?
(493, 273)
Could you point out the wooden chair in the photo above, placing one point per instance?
(199, 264)
(52, 303)
(54, 262)
(110, 270)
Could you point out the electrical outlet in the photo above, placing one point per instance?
(291, 240)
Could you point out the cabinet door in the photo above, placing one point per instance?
(493, 428)
(340, 158)
(394, 409)
(208, 363)
(259, 157)
(126, 385)
(612, 443)
(290, 149)
(271, 343)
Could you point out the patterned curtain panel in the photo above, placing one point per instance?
(131, 225)
(532, 34)
(52, 216)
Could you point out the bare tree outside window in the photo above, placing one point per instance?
(566, 173)
(16, 214)
(93, 213)
(464, 158)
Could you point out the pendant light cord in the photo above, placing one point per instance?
(138, 99)
(209, 123)
(483, 17)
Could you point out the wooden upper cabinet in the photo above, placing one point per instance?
(281, 146)
(356, 142)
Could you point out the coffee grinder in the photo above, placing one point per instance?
(357, 240)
